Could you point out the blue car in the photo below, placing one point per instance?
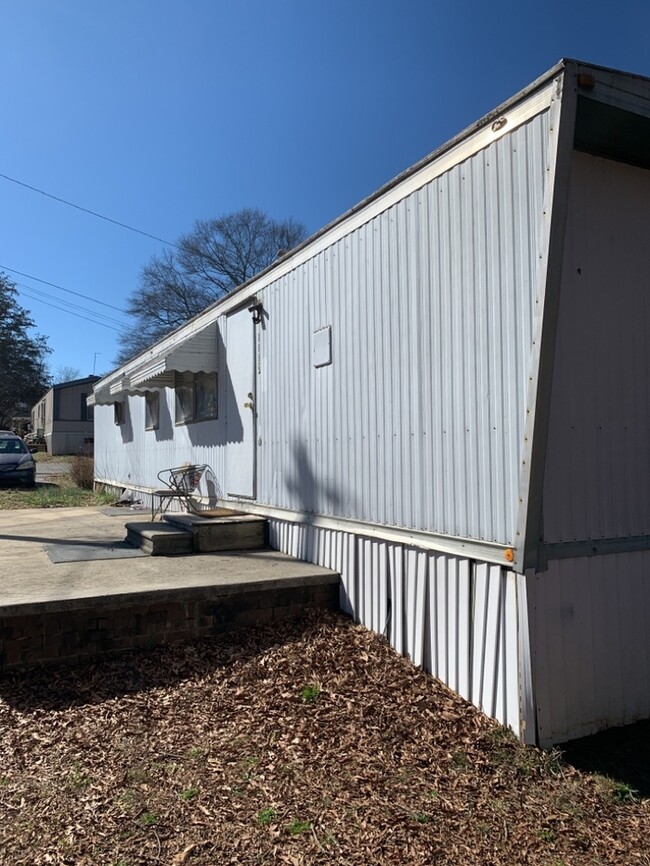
(16, 462)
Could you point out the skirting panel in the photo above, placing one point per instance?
(590, 644)
(456, 618)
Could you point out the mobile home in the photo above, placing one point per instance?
(443, 396)
(64, 418)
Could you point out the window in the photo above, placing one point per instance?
(205, 396)
(86, 411)
(196, 397)
(119, 413)
(151, 410)
(184, 398)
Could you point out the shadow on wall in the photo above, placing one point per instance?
(126, 428)
(231, 428)
(210, 489)
(228, 425)
(165, 431)
(202, 433)
(311, 493)
(315, 497)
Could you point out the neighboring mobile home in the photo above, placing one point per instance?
(444, 396)
(64, 417)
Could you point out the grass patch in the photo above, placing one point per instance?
(619, 792)
(78, 781)
(310, 693)
(266, 816)
(59, 492)
(298, 827)
(421, 817)
(149, 819)
(460, 760)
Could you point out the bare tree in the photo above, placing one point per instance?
(66, 373)
(216, 257)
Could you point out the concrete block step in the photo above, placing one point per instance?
(160, 539)
(235, 531)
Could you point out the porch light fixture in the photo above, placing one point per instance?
(257, 310)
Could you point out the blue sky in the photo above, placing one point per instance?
(160, 112)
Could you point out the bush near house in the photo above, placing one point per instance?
(82, 470)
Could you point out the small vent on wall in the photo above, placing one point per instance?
(321, 347)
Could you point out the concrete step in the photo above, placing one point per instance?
(160, 539)
(233, 531)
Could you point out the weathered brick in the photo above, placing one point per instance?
(67, 636)
(252, 617)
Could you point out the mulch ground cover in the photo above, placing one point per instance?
(308, 743)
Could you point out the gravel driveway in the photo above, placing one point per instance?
(45, 470)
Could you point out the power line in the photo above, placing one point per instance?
(63, 289)
(95, 315)
(86, 210)
(70, 312)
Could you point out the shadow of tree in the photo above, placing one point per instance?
(315, 496)
(65, 686)
(622, 754)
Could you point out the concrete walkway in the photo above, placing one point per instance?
(30, 580)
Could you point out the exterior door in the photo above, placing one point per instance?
(240, 405)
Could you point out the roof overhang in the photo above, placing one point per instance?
(156, 369)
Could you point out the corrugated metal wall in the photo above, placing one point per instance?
(597, 482)
(130, 455)
(456, 618)
(418, 420)
(590, 644)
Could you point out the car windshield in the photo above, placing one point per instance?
(13, 446)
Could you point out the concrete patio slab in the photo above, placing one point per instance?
(30, 580)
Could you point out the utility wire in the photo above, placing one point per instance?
(95, 315)
(63, 289)
(87, 210)
(90, 317)
(71, 313)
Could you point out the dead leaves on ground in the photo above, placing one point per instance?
(310, 743)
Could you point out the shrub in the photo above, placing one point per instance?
(82, 470)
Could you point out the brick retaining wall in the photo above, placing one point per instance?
(49, 636)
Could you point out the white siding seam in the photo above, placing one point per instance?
(550, 245)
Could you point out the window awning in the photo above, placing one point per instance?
(195, 353)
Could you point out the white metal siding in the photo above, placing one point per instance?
(418, 420)
(597, 482)
(590, 644)
(128, 455)
(131, 456)
(456, 618)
